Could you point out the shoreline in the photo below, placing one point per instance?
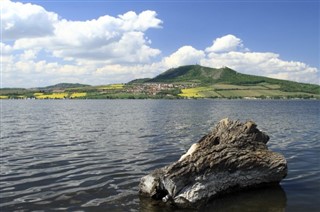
(247, 99)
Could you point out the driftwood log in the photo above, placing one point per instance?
(233, 157)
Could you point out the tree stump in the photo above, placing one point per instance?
(232, 157)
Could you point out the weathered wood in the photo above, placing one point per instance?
(234, 156)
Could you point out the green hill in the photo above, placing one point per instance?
(64, 86)
(191, 74)
(206, 76)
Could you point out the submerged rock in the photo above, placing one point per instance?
(232, 157)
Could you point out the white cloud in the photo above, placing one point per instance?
(186, 55)
(145, 20)
(111, 39)
(226, 43)
(5, 49)
(239, 59)
(25, 21)
(124, 73)
(42, 73)
(265, 64)
(28, 73)
(29, 55)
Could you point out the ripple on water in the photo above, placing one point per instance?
(90, 155)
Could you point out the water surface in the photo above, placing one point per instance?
(89, 155)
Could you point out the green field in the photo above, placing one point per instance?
(237, 87)
(237, 91)
(251, 93)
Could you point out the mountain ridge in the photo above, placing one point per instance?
(63, 85)
(206, 76)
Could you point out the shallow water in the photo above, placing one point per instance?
(89, 155)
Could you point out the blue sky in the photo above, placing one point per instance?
(66, 41)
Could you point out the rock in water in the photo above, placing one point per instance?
(234, 156)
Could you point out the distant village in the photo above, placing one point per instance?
(155, 88)
(147, 89)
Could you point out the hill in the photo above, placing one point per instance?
(62, 86)
(205, 76)
(192, 74)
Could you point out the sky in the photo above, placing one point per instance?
(114, 41)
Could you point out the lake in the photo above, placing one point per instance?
(89, 155)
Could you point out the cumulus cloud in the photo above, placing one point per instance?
(29, 55)
(265, 64)
(117, 73)
(112, 39)
(30, 73)
(145, 20)
(25, 21)
(5, 49)
(226, 43)
(186, 55)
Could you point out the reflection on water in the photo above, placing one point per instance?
(263, 199)
(90, 155)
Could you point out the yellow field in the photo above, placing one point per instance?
(77, 95)
(51, 96)
(193, 92)
(227, 91)
(111, 87)
(4, 97)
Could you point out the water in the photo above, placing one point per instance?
(89, 155)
